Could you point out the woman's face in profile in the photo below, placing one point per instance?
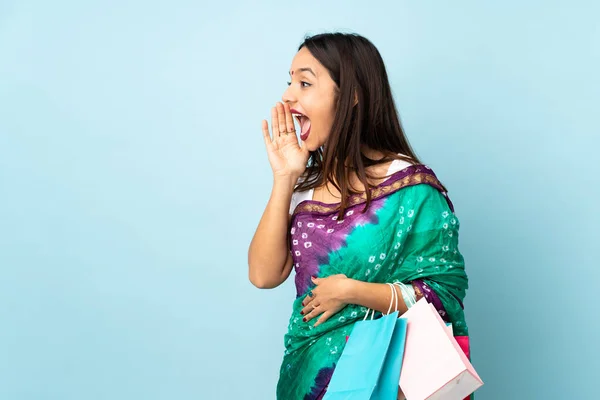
(311, 96)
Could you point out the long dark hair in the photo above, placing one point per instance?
(357, 69)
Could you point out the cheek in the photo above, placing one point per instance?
(325, 123)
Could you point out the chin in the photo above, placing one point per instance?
(312, 146)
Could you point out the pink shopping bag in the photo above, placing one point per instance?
(434, 366)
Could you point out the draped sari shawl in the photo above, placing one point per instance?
(409, 233)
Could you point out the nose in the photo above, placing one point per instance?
(288, 96)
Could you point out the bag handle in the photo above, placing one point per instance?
(409, 298)
(392, 299)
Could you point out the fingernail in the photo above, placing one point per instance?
(301, 312)
(304, 319)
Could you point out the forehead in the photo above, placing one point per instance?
(304, 59)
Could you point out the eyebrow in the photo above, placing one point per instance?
(305, 69)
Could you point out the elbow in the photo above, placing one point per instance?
(260, 280)
(261, 283)
(258, 277)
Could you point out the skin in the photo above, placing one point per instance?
(311, 92)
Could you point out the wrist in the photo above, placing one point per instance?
(285, 181)
(351, 290)
(283, 186)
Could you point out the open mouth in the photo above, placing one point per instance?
(304, 123)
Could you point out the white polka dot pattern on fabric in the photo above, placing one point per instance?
(382, 256)
(330, 230)
(304, 236)
(310, 224)
(445, 226)
(397, 246)
(411, 213)
(298, 254)
(445, 214)
(299, 224)
(401, 210)
(419, 259)
(320, 226)
(307, 245)
(293, 231)
(349, 213)
(367, 272)
(372, 259)
(295, 242)
(377, 267)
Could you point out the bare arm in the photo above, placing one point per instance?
(375, 296)
(334, 292)
(269, 257)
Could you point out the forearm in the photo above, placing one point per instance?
(376, 296)
(268, 249)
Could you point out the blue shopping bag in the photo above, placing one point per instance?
(369, 367)
(387, 386)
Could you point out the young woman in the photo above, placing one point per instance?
(352, 208)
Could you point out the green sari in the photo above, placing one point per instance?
(409, 234)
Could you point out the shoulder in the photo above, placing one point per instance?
(398, 165)
(427, 192)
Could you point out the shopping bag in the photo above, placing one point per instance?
(434, 365)
(364, 370)
(387, 385)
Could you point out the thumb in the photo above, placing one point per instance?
(315, 279)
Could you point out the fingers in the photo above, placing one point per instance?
(281, 118)
(324, 317)
(312, 314)
(275, 123)
(266, 134)
(310, 306)
(309, 297)
(289, 118)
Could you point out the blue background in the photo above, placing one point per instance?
(133, 174)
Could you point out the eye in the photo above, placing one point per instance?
(302, 83)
